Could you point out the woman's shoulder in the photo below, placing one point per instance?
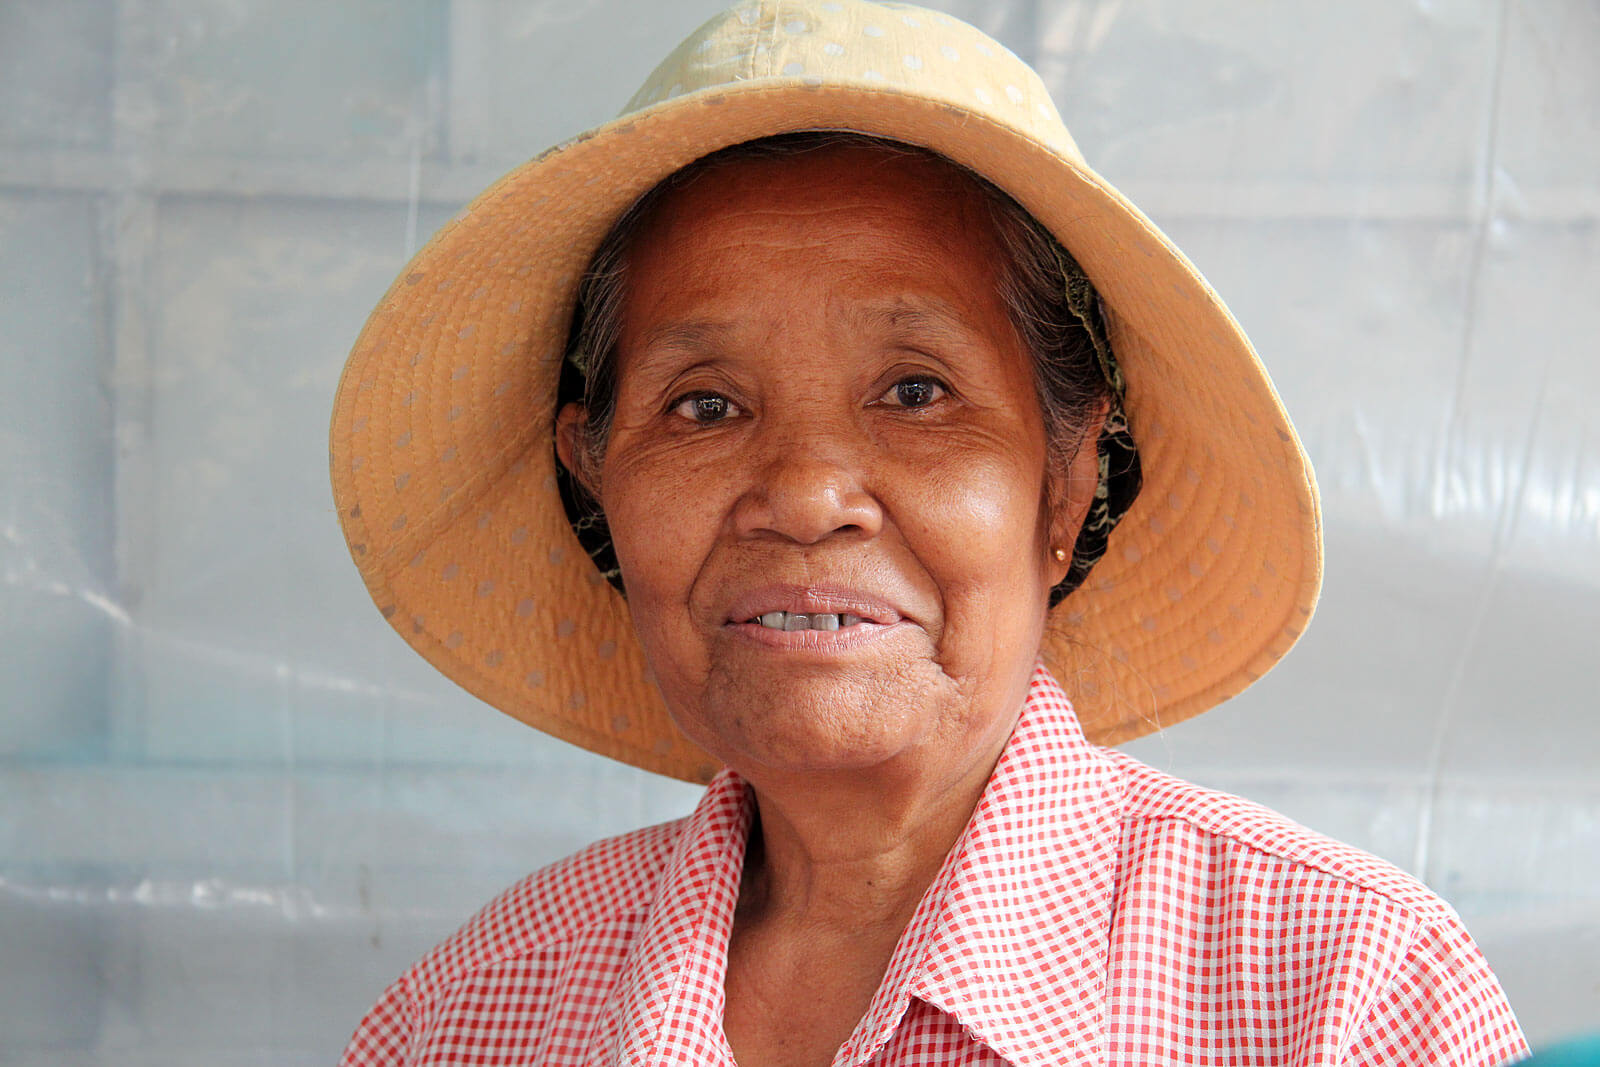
(575, 918)
(1385, 962)
(1171, 821)
(598, 891)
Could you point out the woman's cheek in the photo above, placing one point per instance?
(976, 500)
(666, 501)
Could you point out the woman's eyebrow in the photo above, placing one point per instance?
(933, 319)
(694, 336)
(664, 347)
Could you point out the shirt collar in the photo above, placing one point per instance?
(670, 997)
(1011, 938)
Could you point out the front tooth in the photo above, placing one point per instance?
(849, 620)
(797, 622)
(824, 622)
(772, 620)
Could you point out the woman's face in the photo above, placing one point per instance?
(824, 410)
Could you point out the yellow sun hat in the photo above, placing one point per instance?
(441, 443)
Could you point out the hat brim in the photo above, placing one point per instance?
(443, 467)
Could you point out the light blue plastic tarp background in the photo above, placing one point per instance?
(233, 805)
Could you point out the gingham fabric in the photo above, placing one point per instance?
(1095, 911)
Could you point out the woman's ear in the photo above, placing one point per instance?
(572, 426)
(1072, 490)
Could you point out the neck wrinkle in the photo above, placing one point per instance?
(808, 875)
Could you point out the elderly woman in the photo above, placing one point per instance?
(802, 422)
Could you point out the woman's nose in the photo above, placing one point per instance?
(808, 488)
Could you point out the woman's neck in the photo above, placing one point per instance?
(847, 866)
(831, 878)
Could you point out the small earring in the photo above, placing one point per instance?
(1061, 555)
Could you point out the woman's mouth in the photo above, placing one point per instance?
(829, 632)
(812, 617)
(792, 620)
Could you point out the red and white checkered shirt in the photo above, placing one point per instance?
(1095, 911)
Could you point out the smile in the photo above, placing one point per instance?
(812, 618)
(786, 608)
(790, 620)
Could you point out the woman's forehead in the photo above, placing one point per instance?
(895, 245)
(822, 193)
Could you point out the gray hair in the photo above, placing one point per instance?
(1068, 380)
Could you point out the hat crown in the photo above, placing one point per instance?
(878, 47)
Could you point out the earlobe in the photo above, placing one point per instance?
(1075, 487)
(1061, 564)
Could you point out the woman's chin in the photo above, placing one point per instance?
(814, 723)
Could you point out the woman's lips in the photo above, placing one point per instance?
(811, 617)
(846, 637)
(781, 607)
(791, 621)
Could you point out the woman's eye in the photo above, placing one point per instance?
(705, 407)
(914, 392)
